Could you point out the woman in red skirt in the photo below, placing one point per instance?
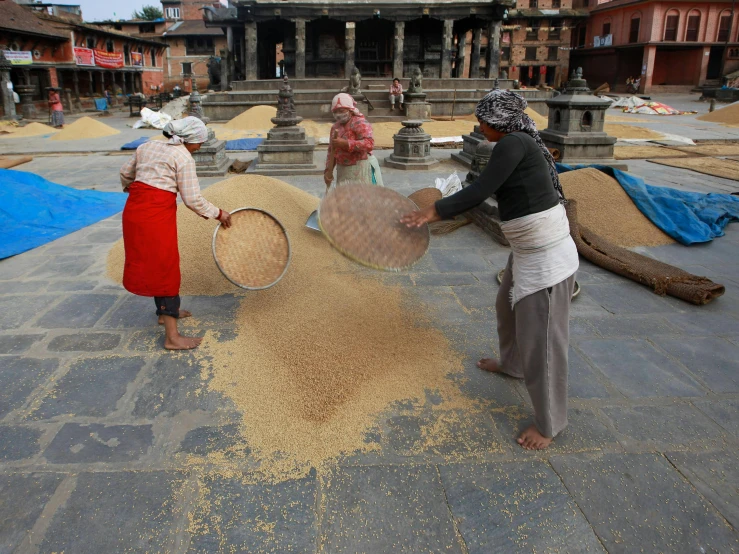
(153, 177)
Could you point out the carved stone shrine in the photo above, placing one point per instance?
(412, 148)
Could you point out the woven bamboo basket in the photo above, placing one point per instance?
(425, 197)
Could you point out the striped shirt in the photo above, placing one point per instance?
(169, 167)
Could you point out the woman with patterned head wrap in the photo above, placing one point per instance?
(350, 150)
(152, 178)
(534, 297)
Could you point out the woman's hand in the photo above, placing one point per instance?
(414, 220)
(225, 219)
(339, 143)
(328, 177)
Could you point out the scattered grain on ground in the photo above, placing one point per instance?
(625, 118)
(30, 130)
(631, 132)
(644, 152)
(6, 162)
(317, 358)
(729, 149)
(728, 115)
(728, 169)
(256, 118)
(85, 128)
(604, 207)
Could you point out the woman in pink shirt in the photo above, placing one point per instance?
(57, 110)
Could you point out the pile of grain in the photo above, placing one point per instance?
(631, 132)
(30, 130)
(604, 207)
(727, 169)
(85, 128)
(644, 152)
(256, 118)
(318, 357)
(728, 115)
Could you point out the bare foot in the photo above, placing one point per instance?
(182, 343)
(532, 439)
(183, 313)
(489, 364)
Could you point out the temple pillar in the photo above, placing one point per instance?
(461, 50)
(650, 53)
(350, 42)
(300, 48)
(446, 49)
(5, 84)
(475, 56)
(250, 60)
(398, 49)
(493, 58)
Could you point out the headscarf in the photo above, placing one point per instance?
(344, 100)
(187, 130)
(503, 110)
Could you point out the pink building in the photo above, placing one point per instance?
(673, 46)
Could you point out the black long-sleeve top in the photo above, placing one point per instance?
(517, 174)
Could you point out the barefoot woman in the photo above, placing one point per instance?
(152, 178)
(533, 304)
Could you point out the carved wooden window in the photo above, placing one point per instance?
(694, 23)
(552, 53)
(724, 27)
(671, 23)
(530, 53)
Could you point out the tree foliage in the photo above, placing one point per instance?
(148, 13)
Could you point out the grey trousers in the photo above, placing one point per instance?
(534, 342)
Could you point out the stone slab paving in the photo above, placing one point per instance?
(97, 422)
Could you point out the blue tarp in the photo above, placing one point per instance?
(34, 211)
(244, 144)
(101, 104)
(134, 144)
(688, 217)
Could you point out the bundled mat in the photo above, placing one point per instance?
(6, 162)
(134, 144)
(36, 211)
(688, 217)
(662, 278)
(244, 144)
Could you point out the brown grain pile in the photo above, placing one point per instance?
(728, 115)
(604, 207)
(85, 128)
(645, 152)
(254, 119)
(30, 130)
(630, 132)
(320, 355)
(728, 169)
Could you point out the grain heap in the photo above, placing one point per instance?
(30, 130)
(85, 128)
(318, 357)
(630, 132)
(604, 207)
(256, 118)
(727, 169)
(728, 115)
(645, 152)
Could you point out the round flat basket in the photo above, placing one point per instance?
(425, 197)
(254, 252)
(574, 294)
(363, 223)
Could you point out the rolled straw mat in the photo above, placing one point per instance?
(425, 197)
(662, 278)
(8, 162)
(363, 223)
(255, 252)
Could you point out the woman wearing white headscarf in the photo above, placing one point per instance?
(350, 150)
(153, 177)
(533, 304)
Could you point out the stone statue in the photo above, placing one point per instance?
(214, 72)
(504, 74)
(579, 73)
(286, 114)
(355, 83)
(416, 83)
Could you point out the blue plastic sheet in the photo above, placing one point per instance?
(244, 144)
(101, 104)
(134, 144)
(34, 211)
(688, 217)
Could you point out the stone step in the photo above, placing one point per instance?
(338, 84)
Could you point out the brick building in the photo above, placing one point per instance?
(673, 46)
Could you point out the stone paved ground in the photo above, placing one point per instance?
(95, 424)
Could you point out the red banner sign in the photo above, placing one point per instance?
(84, 56)
(111, 60)
(137, 59)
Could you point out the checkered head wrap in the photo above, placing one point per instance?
(187, 130)
(503, 110)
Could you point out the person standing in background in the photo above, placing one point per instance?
(56, 108)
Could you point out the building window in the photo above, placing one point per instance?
(126, 54)
(581, 35)
(172, 13)
(634, 30)
(153, 57)
(552, 53)
(118, 27)
(694, 23)
(505, 53)
(606, 29)
(556, 3)
(724, 27)
(147, 28)
(533, 3)
(671, 23)
(91, 42)
(109, 46)
(530, 53)
(554, 30)
(199, 47)
(186, 69)
(533, 34)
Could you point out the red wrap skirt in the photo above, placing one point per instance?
(152, 266)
